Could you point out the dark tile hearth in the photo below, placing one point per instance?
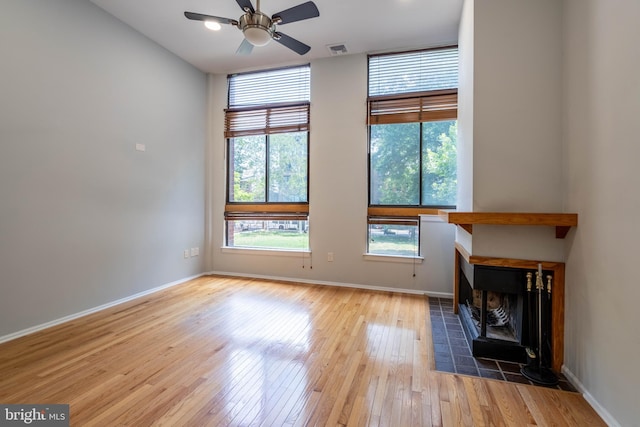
(453, 354)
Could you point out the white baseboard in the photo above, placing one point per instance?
(83, 313)
(444, 295)
(74, 316)
(604, 414)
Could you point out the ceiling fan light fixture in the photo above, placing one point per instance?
(257, 36)
(257, 28)
(213, 25)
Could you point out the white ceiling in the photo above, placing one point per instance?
(362, 25)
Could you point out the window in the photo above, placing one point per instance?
(388, 236)
(267, 130)
(412, 118)
(413, 164)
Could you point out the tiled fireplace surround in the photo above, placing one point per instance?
(452, 352)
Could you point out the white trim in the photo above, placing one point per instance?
(444, 295)
(294, 253)
(70, 317)
(604, 414)
(393, 258)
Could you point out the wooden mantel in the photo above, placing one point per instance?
(561, 221)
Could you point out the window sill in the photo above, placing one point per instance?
(393, 258)
(293, 253)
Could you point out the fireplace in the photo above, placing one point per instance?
(494, 304)
(503, 314)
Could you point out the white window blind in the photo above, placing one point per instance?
(419, 71)
(283, 85)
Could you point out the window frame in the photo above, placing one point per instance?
(406, 107)
(278, 118)
(229, 170)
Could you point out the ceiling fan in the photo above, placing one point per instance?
(259, 29)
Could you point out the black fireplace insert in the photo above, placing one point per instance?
(495, 310)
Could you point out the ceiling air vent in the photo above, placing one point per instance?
(337, 49)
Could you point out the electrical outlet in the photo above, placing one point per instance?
(186, 253)
(330, 256)
(141, 147)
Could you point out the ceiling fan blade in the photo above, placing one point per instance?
(297, 13)
(201, 17)
(246, 4)
(245, 48)
(293, 44)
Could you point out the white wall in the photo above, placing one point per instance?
(465, 118)
(84, 218)
(515, 56)
(517, 120)
(601, 130)
(337, 195)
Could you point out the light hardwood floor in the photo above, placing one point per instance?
(230, 351)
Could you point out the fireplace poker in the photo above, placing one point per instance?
(540, 374)
(531, 355)
(540, 288)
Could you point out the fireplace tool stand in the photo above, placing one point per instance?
(537, 369)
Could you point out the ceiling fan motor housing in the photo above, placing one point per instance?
(257, 27)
